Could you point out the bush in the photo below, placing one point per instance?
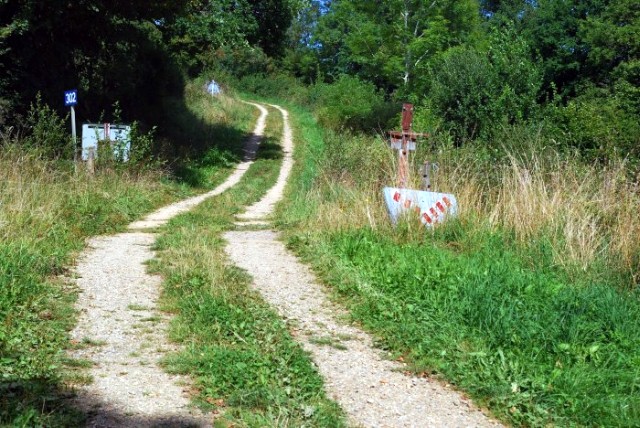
(281, 86)
(240, 61)
(598, 124)
(348, 103)
(46, 131)
(476, 90)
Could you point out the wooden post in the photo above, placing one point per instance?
(90, 160)
(404, 141)
(403, 153)
(403, 167)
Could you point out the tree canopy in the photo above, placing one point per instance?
(474, 64)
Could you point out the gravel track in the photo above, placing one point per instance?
(124, 330)
(118, 314)
(372, 390)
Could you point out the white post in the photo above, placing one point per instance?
(73, 135)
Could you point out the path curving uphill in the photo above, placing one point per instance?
(122, 328)
(372, 390)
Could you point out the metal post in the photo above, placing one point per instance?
(73, 135)
(426, 176)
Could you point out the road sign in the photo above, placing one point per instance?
(70, 97)
(118, 137)
(70, 100)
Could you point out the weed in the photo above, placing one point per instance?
(77, 363)
(136, 307)
(328, 341)
(154, 319)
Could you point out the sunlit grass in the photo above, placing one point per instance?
(237, 349)
(527, 301)
(48, 207)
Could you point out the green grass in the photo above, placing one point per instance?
(234, 345)
(518, 333)
(47, 210)
(50, 210)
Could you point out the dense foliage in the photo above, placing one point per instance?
(130, 53)
(572, 67)
(569, 66)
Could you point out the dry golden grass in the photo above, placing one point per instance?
(37, 194)
(589, 213)
(586, 210)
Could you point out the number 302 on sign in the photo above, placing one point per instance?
(70, 97)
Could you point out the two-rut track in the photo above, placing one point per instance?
(118, 311)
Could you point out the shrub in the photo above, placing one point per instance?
(275, 86)
(46, 131)
(348, 103)
(599, 124)
(476, 90)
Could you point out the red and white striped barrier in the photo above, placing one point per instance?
(431, 207)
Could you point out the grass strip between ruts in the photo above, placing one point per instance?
(244, 362)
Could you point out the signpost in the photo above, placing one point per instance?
(404, 141)
(70, 100)
(430, 207)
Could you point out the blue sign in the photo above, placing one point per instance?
(70, 97)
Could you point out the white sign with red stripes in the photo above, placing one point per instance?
(431, 207)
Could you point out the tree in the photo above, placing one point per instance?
(477, 90)
(553, 30)
(209, 25)
(108, 50)
(301, 52)
(390, 42)
(614, 48)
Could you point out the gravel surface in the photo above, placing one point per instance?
(124, 331)
(163, 215)
(127, 334)
(264, 207)
(119, 315)
(372, 390)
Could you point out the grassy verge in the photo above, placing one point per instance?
(46, 212)
(244, 362)
(500, 302)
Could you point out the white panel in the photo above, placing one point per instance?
(431, 207)
(118, 134)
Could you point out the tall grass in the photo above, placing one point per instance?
(588, 213)
(528, 301)
(46, 211)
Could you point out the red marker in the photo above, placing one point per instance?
(396, 197)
